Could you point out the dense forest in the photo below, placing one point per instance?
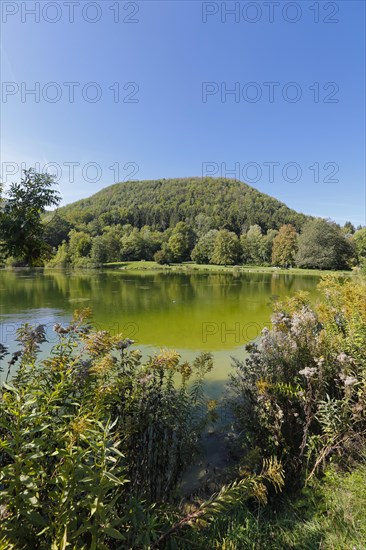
(204, 220)
(203, 203)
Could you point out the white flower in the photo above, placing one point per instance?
(308, 372)
(350, 381)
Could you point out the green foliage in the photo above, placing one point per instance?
(90, 437)
(163, 256)
(21, 228)
(203, 251)
(227, 248)
(181, 242)
(56, 230)
(203, 203)
(348, 228)
(167, 217)
(359, 241)
(330, 514)
(300, 395)
(267, 246)
(285, 247)
(322, 245)
(62, 257)
(250, 486)
(251, 244)
(80, 244)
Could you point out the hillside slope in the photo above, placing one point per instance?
(215, 202)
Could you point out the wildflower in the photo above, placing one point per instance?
(185, 370)
(124, 344)
(82, 370)
(104, 365)
(4, 512)
(167, 358)
(347, 379)
(146, 378)
(350, 381)
(78, 426)
(262, 386)
(309, 372)
(98, 342)
(60, 329)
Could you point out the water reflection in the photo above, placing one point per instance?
(216, 312)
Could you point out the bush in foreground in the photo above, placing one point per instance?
(301, 393)
(94, 442)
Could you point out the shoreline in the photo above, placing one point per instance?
(187, 267)
(193, 267)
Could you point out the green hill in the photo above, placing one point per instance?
(211, 202)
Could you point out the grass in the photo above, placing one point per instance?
(191, 266)
(329, 516)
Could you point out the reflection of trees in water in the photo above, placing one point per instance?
(157, 308)
(138, 292)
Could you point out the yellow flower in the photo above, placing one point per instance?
(168, 359)
(103, 365)
(262, 386)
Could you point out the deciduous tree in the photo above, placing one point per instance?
(285, 246)
(21, 228)
(322, 245)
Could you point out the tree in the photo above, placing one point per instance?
(227, 248)
(348, 228)
(152, 241)
(132, 246)
(203, 251)
(359, 241)
(163, 256)
(21, 228)
(251, 244)
(267, 246)
(80, 244)
(99, 252)
(56, 230)
(322, 245)
(285, 246)
(203, 224)
(62, 257)
(181, 242)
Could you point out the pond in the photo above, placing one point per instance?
(190, 312)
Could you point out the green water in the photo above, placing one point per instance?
(218, 312)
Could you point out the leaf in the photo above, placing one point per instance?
(112, 532)
(94, 506)
(115, 479)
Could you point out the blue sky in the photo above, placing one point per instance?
(294, 128)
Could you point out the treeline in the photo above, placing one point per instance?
(206, 220)
(321, 244)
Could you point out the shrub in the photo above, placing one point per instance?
(300, 394)
(91, 436)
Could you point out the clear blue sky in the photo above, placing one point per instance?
(178, 124)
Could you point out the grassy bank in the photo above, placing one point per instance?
(331, 515)
(191, 266)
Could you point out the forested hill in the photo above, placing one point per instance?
(208, 202)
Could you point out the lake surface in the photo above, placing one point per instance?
(190, 312)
